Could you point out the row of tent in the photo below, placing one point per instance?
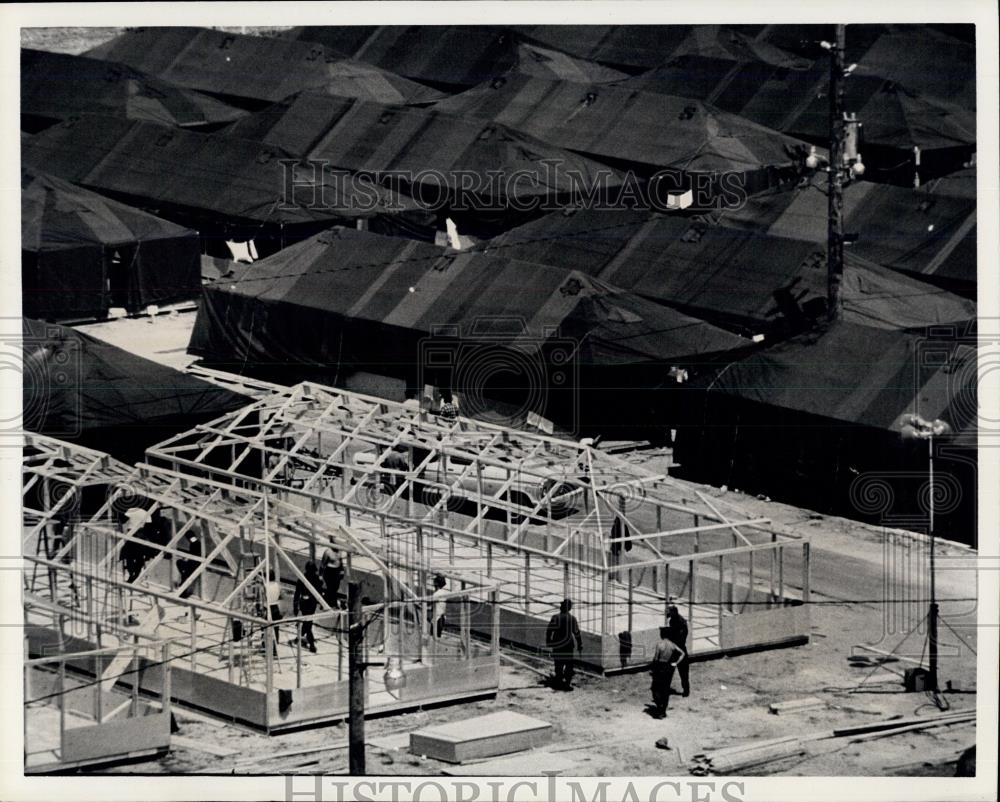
(704, 319)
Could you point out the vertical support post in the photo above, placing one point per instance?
(356, 683)
(134, 708)
(166, 689)
(194, 638)
(565, 580)
(722, 579)
(339, 629)
(98, 701)
(666, 590)
(495, 631)
(805, 572)
(750, 590)
(527, 582)
(229, 651)
(298, 654)
(781, 574)
(269, 646)
(773, 556)
(62, 706)
(604, 603)
(465, 623)
(691, 594)
(630, 594)
(489, 559)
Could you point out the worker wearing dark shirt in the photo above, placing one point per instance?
(665, 659)
(677, 631)
(562, 635)
(304, 602)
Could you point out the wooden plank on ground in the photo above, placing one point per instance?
(795, 705)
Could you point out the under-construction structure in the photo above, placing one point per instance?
(538, 518)
(71, 721)
(118, 558)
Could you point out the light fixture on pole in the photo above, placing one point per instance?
(914, 427)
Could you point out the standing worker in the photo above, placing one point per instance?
(272, 597)
(439, 606)
(333, 575)
(304, 602)
(677, 631)
(561, 636)
(665, 659)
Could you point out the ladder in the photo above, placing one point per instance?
(253, 602)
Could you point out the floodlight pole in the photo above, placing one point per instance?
(932, 615)
(835, 222)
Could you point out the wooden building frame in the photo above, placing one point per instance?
(210, 601)
(545, 518)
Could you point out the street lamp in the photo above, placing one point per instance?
(914, 427)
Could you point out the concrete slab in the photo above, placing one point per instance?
(481, 737)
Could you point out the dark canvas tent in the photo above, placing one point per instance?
(80, 389)
(477, 170)
(643, 130)
(898, 107)
(55, 86)
(82, 253)
(451, 57)
(346, 301)
(629, 47)
(211, 180)
(927, 234)
(254, 69)
(814, 421)
(740, 278)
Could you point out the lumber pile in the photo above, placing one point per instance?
(734, 759)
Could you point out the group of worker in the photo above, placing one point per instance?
(563, 638)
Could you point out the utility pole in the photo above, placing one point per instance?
(355, 682)
(835, 224)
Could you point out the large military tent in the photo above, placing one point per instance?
(346, 301)
(452, 57)
(82, 253)
(744, 279)
(220, 184)
(895, 119)
(815, 421)
(927, 233)
(484, 174)
(55, 86)
(81, 389)
(644, 131)
(254, 70)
